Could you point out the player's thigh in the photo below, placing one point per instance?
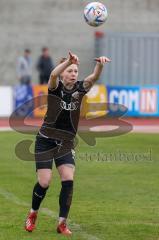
(44, 152)
(65, 165)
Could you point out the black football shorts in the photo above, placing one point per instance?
(48, 149)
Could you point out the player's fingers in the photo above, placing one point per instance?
(75, 58)
(70, 54)
(108, 59)
(104, 60)
(97, 59)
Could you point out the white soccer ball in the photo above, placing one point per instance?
(95, 14)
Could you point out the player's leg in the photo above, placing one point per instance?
(44, 178)
(44, 149)
(39, 191)
(66, 172)
(43, 157)
(66, 169)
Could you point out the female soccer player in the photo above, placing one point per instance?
(56, 136)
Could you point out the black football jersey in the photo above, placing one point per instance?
(63, 111)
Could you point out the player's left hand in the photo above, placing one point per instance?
(102, 60)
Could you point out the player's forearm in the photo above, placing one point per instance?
(97, 71)
(60, 68)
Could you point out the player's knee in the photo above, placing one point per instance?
(67, 177)
(67, 173)
(45, 181)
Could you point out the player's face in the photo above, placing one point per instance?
(70, 74)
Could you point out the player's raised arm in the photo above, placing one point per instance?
(72, 59)
(92, 78)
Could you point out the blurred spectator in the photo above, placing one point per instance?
(24, 68)
(44, 66)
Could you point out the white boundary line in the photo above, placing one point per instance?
(5, 129)
(76, 227)
(11, 197)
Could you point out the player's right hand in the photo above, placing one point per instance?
(73, 59)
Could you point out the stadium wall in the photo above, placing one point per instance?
(135, 58)
(60, 26)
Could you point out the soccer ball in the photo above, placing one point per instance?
(95, 14)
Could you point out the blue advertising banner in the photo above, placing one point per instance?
(22, 94)
(130, 101)
(139, 101)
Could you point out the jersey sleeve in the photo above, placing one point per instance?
(50, 90)
(81, 87)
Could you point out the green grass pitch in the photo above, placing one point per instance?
(116, 191)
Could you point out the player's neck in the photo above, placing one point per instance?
(68, 85)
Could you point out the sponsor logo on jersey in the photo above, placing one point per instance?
(75, 95)
(63, 94)
(72, 106)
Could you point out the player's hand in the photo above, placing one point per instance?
(102, 60)
(73, 59)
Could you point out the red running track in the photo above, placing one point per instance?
(4, 122)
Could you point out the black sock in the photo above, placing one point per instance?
(65, 198)
(38, 195)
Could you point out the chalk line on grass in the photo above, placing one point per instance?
(74, 226)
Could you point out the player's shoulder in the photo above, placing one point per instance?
(81, 86)
(57, 88)
(80, 83)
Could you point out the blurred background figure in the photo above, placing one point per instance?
(44, 66)
(24, 68)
